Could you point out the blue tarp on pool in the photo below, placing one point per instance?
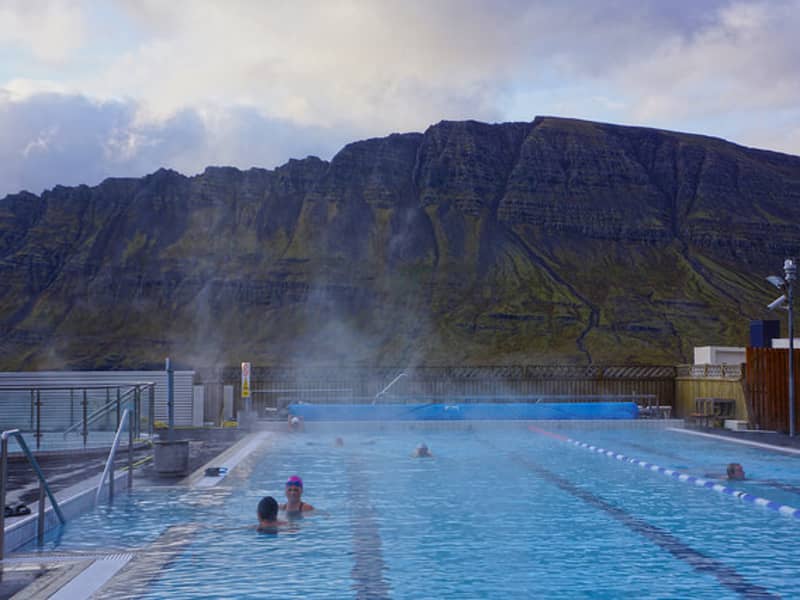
(479, 411)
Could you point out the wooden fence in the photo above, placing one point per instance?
(768, 388)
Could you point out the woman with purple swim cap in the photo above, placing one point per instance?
(294, 506)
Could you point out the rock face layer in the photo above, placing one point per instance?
(555, 241)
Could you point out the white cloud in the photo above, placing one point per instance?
(49, 29)
(193, 82)
(51, 139)
(41, 142)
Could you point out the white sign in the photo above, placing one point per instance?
(245, 380)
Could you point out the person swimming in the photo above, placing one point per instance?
(735, 471)
(267, 512)
(422, 451)
(294, 507)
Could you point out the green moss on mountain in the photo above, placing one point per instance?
(546, 242)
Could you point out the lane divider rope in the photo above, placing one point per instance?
(783, 509)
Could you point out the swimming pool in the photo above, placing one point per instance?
(500, 511)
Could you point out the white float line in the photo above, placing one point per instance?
(783, 509)
(725, 438)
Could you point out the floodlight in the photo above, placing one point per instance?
(777, 303)
(776, 281)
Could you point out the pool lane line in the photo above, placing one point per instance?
(369, 567)
(733, 440)
(783, 509)
(727, 576)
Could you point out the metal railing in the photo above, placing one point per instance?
(41, 410)
(380, 394)
(108, 471)
(723, 371)
(43, 487)
(115, 405)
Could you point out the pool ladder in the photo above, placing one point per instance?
(43, 487)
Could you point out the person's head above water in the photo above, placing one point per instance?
(268, 509)
(294, 492)
(422, 450)
(735, 471)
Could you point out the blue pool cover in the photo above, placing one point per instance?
(478, 411)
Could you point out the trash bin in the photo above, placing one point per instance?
(171, 457)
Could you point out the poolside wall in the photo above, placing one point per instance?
(73, 502)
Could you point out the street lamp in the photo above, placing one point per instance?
(786, 283)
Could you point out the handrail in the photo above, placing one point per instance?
(42, 483)
(99, 412)
(106, 408)
(109, 468)
(384, 390)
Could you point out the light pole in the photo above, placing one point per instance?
(790, 274)
(786, 283)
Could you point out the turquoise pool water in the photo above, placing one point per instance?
(496, 513)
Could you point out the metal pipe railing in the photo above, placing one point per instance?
(112, 404)
(42, 485)
(391, 383)
(108, 471)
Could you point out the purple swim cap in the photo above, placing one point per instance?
(294, 480)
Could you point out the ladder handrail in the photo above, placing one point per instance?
(110, 461)
(4, 480)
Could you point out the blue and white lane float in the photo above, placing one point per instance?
(783, 509)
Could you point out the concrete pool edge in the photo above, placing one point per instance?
(229, 459)
(73, 501)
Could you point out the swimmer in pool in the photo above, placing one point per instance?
(295, 508)
(735, 471)
(296, 424)
(422, 451)
(267, 512)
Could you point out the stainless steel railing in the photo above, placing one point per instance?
(45, 411)
(43, 487)
(111, 405)
(380, 394)
(108, 471)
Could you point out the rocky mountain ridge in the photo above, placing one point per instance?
(552, 241)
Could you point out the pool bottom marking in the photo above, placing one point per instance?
(369, 568)
(701, 563)
(783, 509)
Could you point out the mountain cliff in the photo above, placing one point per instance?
(555, 241)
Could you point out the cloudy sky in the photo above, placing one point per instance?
(96, 88)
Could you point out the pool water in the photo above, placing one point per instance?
(496, 513)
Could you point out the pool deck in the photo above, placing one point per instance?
(71, 577)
